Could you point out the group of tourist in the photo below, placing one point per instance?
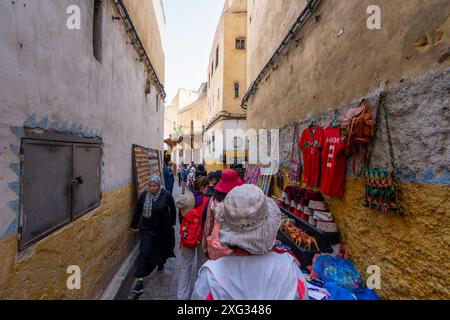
(228, 228)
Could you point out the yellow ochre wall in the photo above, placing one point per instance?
(322, 72)
(98, 243)
(235, 61)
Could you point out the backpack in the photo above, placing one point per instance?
(192, 226)
(358, 126)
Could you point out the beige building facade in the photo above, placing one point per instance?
(185, 121)
(333, 62)
(227, 82)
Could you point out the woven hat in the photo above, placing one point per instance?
(249, 220)
(185, 203)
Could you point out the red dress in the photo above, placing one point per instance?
(334, 163)
(311, 143)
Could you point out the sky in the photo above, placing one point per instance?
(190, 29)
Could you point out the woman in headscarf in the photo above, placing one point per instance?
(156, 216)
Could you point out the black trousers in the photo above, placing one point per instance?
(147, 263)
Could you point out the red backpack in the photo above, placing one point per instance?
(192, 226)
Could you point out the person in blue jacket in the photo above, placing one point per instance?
(169, 177)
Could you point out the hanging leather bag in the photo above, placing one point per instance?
(358, 128)
(358, 125)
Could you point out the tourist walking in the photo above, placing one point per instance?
(155, 215)
(229, 182)
(192, 206)
(250, 270)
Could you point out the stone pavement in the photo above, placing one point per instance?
(163, 286)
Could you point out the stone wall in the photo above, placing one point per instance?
(97, 243)
(322, 73)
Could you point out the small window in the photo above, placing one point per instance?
(240, 43)
(236, 89)
(157, 103)
(97, 30)
(217, 57)
(212, 68)
(61, 179)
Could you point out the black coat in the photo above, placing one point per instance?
(157, 233)
(163, 216)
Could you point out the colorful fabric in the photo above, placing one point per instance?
(334, 163)
(252, 174)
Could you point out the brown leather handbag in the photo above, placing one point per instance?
(358, 124)
(358, 127)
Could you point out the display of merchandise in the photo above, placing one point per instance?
(318, 205)
(264, 182)
(382, 189)
(311, 144)
(312, 221)
(252, 174)
(334, 163)
(326, 226)
(323, 216)
(313, 196)
(300, 237)
(294, 167)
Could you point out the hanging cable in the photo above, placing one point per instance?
(306, 13)
(136, 42)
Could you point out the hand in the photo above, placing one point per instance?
(135, 230)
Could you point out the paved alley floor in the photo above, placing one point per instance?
(163, 286)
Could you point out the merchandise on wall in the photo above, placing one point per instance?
(146, 163)
(358, 129)
(334, 162)
(252, 174)
(311, 144)
(258, 176)
(294, 167)
(382, 191)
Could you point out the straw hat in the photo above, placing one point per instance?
(249, 220)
